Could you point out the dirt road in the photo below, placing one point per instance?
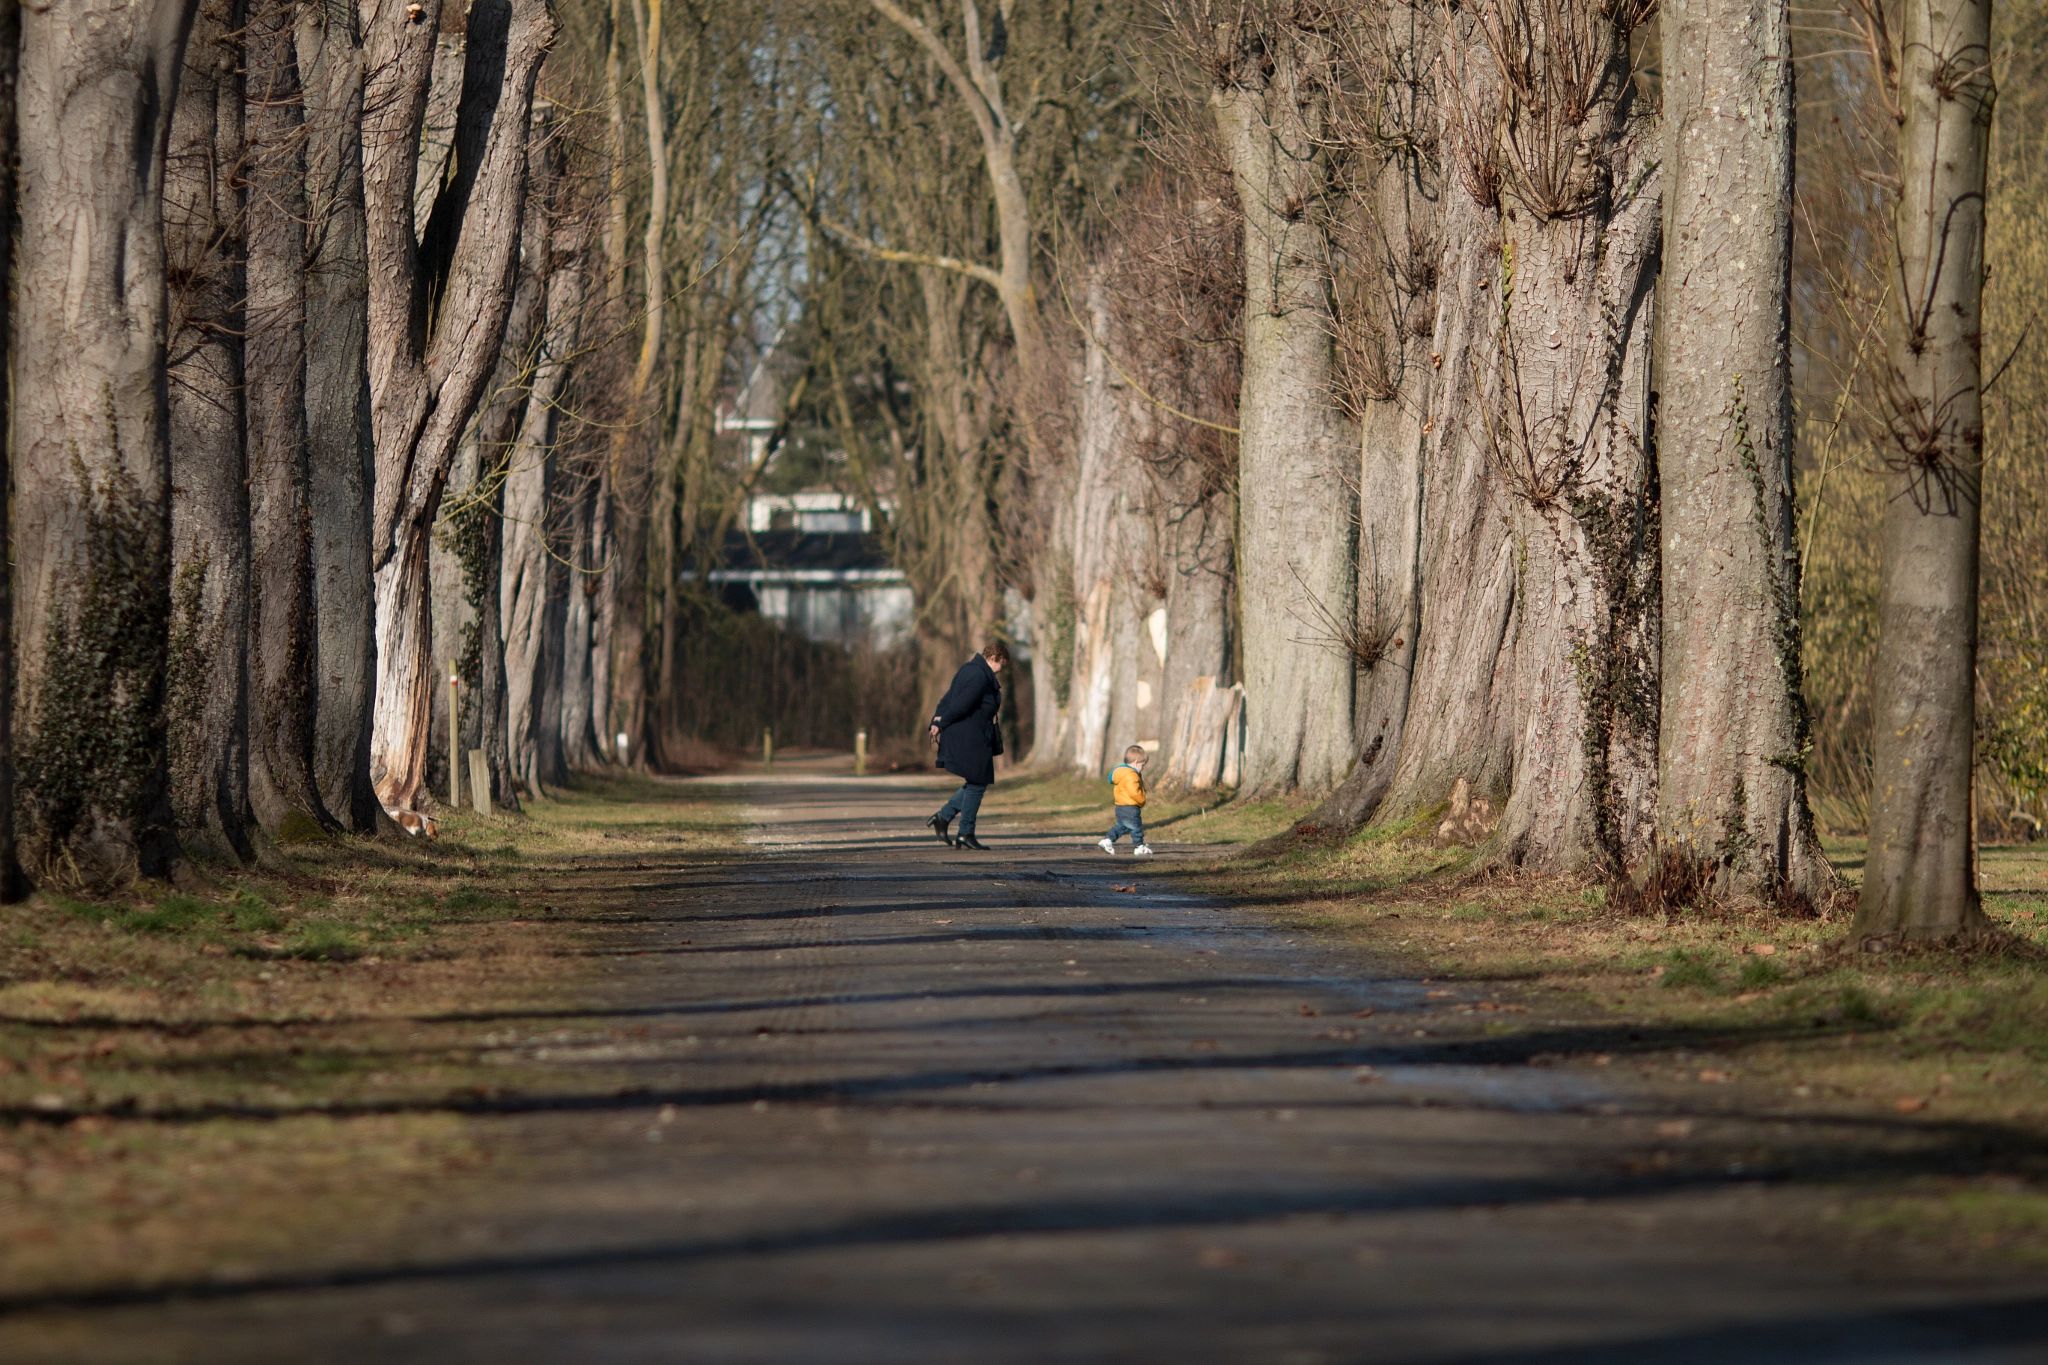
(900, 1104)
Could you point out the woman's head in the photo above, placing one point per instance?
(996, 653)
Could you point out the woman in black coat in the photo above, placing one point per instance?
(969, 740)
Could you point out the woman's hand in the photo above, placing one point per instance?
(934, 730)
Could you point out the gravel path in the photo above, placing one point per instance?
(903, 1104)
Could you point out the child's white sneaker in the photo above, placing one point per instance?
(1142, 851)
(1106, 846)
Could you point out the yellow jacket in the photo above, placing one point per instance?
(1128, 784)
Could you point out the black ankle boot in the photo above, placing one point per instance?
(969, 841)
(939, 826)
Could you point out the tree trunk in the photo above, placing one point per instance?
(1535, 673)
(10, 62)
(1731, 789)
(1394, 314)
(1297, 502)
(1921, 882)
(1198, 594)
(338, 449)
(454, 620)
(478, 530)
(581, 749)
(1457, 726)
(529, 601)
(282, 654)
(204, 220)
(437, 319)
(90, 442)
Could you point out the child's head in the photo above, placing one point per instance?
(1135, 756)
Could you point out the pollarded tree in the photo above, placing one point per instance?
(1535, 678)
(1921, 878)
(438, 303)
(89, 445)
(1731, 787)
(1297, 482)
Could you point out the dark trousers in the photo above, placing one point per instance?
(1129, 820)
(964, 805)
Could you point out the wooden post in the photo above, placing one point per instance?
(860, 753)
(479, 782)
(768, 750)
(454, 737)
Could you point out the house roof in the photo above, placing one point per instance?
(801, 556)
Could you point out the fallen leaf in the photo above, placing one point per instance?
(1675, 1128)
(1114, 887)
(1747, 996)
(1711, 1076)
(1309, 1011)
(942, 921)
(1218, 1258)
(1656, 972)
(1439, 995)
(1763, 949)
(1204, 1045)
(1365, 1075)
(1604, 1059)
(1911, 1104)
(1339, 1035)
(1363, 1014)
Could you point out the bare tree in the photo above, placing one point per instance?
(89, 440)
(1535, 673)
(338, 430)
(1296, 485)
(530, 605)
(437, 306)
(1921, 879)
(1735, 736)
(205, 248)
(283, 782)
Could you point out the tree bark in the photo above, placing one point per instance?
(478, 530)
(1734, 734)
(1535, 673)
(90, 442)
(1921, 877)
(283, 649)
(1396, 307)
(1457, 724)
(437, 319)
(338, 446)
(204, 244)
(1296, 512)
(581, 748)
(10, 63)
(530, 588)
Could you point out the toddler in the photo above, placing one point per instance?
(1127, 788)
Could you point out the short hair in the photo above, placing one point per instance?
(995, 651)
(1135, 751)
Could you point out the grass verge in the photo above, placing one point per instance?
(284, 1064)
(1757, 1009)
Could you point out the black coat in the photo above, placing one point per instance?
(966, 716)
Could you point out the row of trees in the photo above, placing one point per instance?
(1406, 390)
(1433, 382)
